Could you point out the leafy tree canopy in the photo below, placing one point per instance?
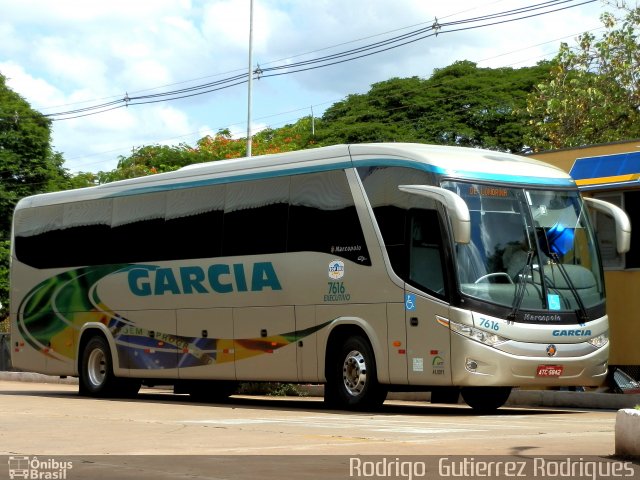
(593, 92)
(458, 105)
(28, 165)
(152, 159)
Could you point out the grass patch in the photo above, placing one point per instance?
(272, 389)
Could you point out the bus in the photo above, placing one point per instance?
(368, 268)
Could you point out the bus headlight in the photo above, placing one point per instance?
(599, 341)
(481, 336)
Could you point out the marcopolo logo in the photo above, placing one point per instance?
(38, 469)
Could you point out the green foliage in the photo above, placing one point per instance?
(288, 138)
(28, 166)
(78, 180)
(458, 105)
(592, 94)
(148, 160)
(4, 279)
(152, 159)
(24, 143)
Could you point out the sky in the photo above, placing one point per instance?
(61, 55)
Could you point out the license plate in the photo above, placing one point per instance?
(549, 370)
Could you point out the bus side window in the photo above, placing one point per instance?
(392, 223)
(323, 217)
(425, 251)
(255, 217)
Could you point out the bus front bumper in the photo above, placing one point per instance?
(476, 364)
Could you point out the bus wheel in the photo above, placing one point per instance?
(352, 380)
(96, 378)
(485, 400)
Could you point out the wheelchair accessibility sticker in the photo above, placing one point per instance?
(410, 301)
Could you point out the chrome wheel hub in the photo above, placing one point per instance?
(96, 367)
(354, 373)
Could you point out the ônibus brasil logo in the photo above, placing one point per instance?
(34, 468)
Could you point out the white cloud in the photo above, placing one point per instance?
(57, 54)
(35, 90)
(74, 12)
(66, 64)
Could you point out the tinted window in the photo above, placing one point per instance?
(63, 235)
(193, 223)
(426, 253)
(323, 217)
(255, 217)
(313, 212)
(162, 226)
(409, 224)
(137, 229)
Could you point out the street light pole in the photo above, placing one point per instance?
(250, 80)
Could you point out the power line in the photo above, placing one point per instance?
(240, 122)
(286, 59)
(187, 90)
(435, 29)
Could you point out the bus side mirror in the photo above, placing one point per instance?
(454, 205)
(623, 225)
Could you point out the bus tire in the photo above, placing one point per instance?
(352, 377)
(485, 400)
(96, 377)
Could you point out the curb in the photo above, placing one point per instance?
(526, 398)
(628, 433)
(565, 399)
(35, 378)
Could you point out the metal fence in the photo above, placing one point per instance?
(5, 353)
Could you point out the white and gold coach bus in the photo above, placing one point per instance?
(369, 268)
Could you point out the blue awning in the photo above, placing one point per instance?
(607, 171)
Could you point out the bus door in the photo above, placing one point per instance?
(428, 342)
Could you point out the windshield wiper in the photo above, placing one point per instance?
(521, 287)
(581, 313)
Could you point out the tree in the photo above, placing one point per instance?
(152, 159)
(4, 282)
(458, 105)
(28, 165)
(291, 137)
(593, 92)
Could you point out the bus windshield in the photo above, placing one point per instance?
(530, 249)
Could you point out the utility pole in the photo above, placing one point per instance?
(313, 123)
(250, 82)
